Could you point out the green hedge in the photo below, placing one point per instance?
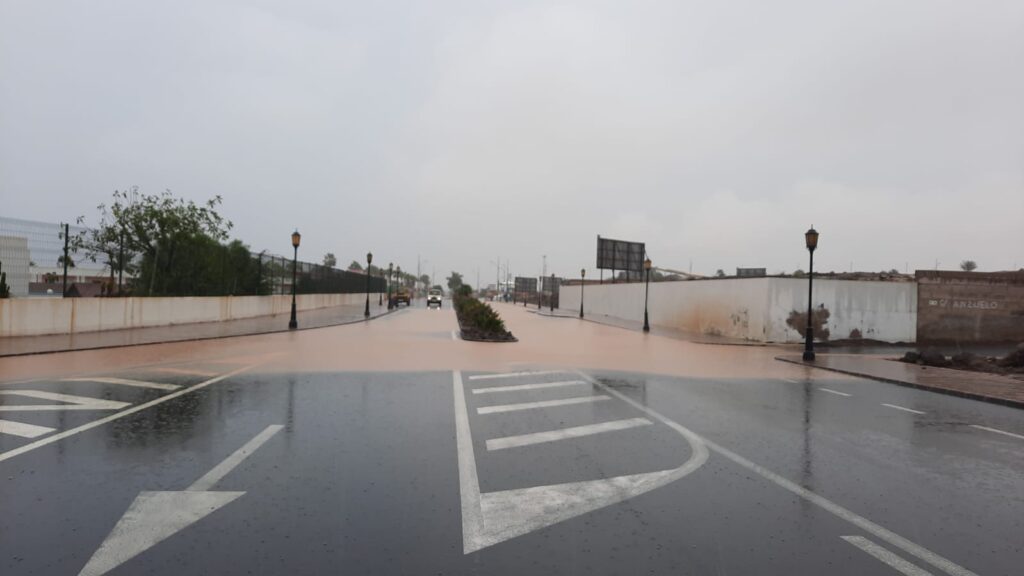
(477, 315)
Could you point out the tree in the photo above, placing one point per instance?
(355, 266)
(720, 273)
(968, 265)
(454, 281)
(329, 260)
(425, 279)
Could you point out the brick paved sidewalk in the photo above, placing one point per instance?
(319, 318)
(976, 385)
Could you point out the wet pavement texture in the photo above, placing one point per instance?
(294, 455)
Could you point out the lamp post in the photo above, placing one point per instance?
(398, 281)
(647, 288)
(551, 295)
(391, 275)
(296, 238)
(380, 293)
(369, 261)
(811, 238)
(583, 277)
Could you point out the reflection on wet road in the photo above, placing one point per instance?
(242, 464)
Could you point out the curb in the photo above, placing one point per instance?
(960, 393)
(197, 339)
(704, 342)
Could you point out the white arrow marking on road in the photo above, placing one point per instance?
(155, 516)
(73, 402)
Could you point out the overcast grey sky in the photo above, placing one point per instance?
(715, 131)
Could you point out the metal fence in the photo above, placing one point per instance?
(275, 276)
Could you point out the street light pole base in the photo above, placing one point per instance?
(292, 325)
(808, 355)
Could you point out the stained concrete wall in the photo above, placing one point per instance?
(970, 307)
(39, 316)
(757, 308)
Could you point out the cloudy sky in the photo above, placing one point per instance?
(715, 131)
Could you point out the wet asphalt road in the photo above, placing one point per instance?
(451, 472)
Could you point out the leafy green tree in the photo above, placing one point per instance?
(330, 260)
(454, 281)
(968, 265)
(355, 266)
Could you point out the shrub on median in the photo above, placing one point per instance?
(478, 320)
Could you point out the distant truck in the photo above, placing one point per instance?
(434, 298)
(400, 295)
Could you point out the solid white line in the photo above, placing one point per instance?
(469, 483)
(23, 430)
(997, 431)
(894, 561)
(71, 432)
(206, 481)
(859, 521)
(793, 381)
(74, 402)
(911, 410)
(518, 387)
(541, 404)
(836, 392)
(513, 375)
(126, 382)
(565, 433)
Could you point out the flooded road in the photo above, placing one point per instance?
(392, 447)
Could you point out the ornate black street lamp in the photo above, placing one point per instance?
(647, 288)
(380, 294)
(296, 238)
(811, 238)
(391, 276)
(369, 261)
(583, 277)
(551, 295)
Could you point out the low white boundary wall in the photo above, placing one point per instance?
(757, 308)
(39, 316)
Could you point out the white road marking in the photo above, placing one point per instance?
(155, 516)
(836, 392)
(859, 521)
(90, 425)
(541, 404)
(911, 410)
(493, 517)
(793, 381)
(565, 433)
(73, 402)
(186, 371)
(23, 430)
(455, 336)
(221, 470)
(513, 375)
(997, 431)
(894, 561)
(519, 387)
(125, 382)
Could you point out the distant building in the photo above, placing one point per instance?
(751, 272)
(14, 262)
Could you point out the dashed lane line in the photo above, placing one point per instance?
(879, 553)
(520, 387)
(513, 375)
(895, 407)
(90, 425)
(836, 392)
(565, 433)
(864, 524)
(125, 382)
(541, 404)
(997, 431)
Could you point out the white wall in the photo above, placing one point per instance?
(757, 308)
(39, 316)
